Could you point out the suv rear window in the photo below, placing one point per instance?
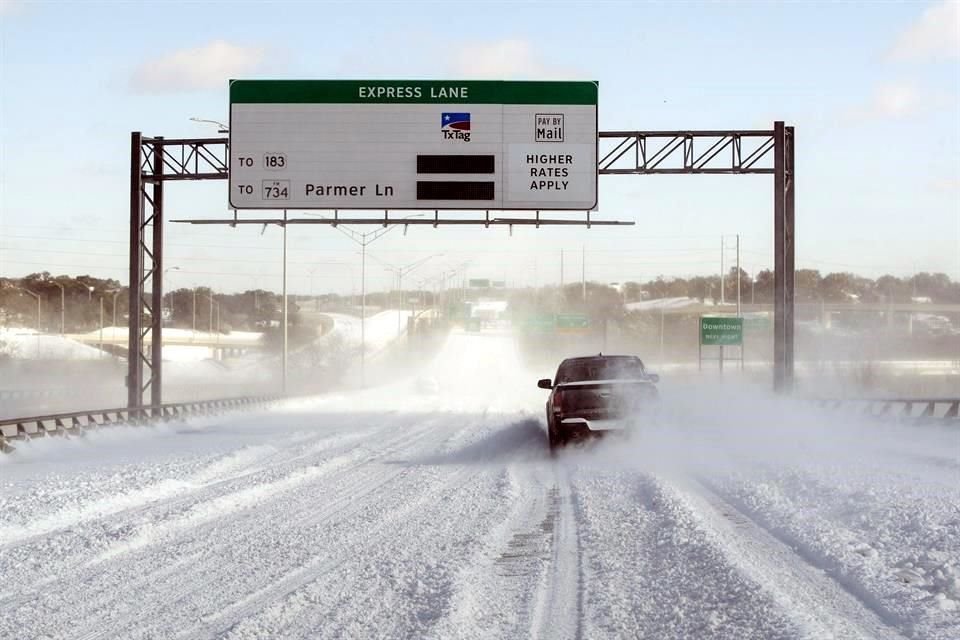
(601, 369)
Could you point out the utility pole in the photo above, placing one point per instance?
(738, 277)
(63, 299)
(722, 296)
(115, 294)
(583, 272)
(37, 296)
(561, 272)
(101, 326)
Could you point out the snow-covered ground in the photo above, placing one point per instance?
(26, 344)
(381, 328)
(391, 514)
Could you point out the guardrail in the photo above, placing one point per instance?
(63, 424)
(929, 409)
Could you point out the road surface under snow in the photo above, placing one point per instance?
(390, 514)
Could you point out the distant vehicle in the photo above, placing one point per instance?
(595, 395)
(427, 385)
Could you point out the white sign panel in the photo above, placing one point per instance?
(317, 144)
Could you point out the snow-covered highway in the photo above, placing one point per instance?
(388, 513)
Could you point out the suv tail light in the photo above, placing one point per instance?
(557, 400)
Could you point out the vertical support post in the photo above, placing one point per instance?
(363, 312)
(662, 326)
(156, 318)
(789, 270)
(723, 292)
(700, 343)
(285, 318)
(779, 259)
(583, 273)
(739, 305)
(134, 338)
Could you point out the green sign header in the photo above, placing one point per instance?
(721, 331)
(412, 92)
(572, 321)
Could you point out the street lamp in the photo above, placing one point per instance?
(402, 271)
(221, 128)
(115, 294)
(37, 296)
(363, 239)
(172, 300)
(63, 300)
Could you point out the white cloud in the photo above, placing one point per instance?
(895, 101)
(948, 185)
(206, 67)
(10, 7)
(935, 35)
(505, 59)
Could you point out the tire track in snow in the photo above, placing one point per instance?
(288, 608)
(363, 481)
(559, 609)
(109, 576)
(236, 465)
(408, 506)
(819, 599)
(496, 594)
(234, 492)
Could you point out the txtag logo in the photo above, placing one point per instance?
(455, 126)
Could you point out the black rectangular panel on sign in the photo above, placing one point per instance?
(455, 164)
(450, 190)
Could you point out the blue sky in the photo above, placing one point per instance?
(873, 90)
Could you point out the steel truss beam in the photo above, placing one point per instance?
(436, 222)
(673, 152)
(158, 160)
(154, 161)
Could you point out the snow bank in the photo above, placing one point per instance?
(381, 328)
(27, 344)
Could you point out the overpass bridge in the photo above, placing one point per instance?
(116, 337)
(693, 306)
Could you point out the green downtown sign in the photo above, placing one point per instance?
(721, 331)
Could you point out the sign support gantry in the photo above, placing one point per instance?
(155, 161)
(746, 151)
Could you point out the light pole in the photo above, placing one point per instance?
(221, 128)
(363, 239)
(37, 296)
(101, 326)
(400, 272)
(63, 305)
(172, 299)
(115, 294)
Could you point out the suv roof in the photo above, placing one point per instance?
(598, 357)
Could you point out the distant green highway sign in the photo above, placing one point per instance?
(721, 331)
(573, 321)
